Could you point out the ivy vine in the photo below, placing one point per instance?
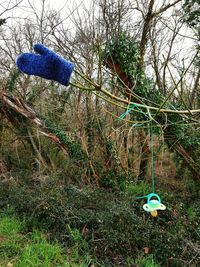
(124, 50)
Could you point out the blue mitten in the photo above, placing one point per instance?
(46, 64)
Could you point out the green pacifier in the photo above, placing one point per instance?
(153, 204)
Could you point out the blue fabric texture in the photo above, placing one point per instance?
(46, 64)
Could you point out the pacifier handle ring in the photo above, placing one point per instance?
(153, 195)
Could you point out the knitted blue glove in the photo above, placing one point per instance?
(46, 64)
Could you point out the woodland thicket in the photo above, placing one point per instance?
(73, 160)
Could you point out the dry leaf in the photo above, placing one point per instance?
(146, 250)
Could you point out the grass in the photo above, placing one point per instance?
(147, 262)
(33, 249)
(38, 252)
(18, 249)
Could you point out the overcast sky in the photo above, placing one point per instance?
(66, 7)
(24, 10)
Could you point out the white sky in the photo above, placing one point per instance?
(65, 7)
(24, 9)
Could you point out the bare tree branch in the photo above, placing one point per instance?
(163, 9)
(19, 105)
(9, 8)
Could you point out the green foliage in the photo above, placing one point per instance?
(11, 85)
(192, 12)
(77, 240)
(100, 222)
(33, 249)
(123, 50)
(10, 239)
(137, 189)
(184, 133)
(111, 179)
(40, 253)
(193, 187)
(79, 247)
(74, 149)
(147, 262)
(2, 21)
(9, 226)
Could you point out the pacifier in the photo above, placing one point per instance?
(153, 204)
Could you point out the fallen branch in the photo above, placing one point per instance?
(21, 107)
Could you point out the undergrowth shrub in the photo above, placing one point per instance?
(109, 179)
(106, 223)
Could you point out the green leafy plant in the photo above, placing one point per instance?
(147, 261)
(39, 252)
(112, 180)
(33, 249)
(11, 85)
(102, 223)
(74, 149)
(123, 50)
(192, 12)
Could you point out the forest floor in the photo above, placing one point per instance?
(50, 223)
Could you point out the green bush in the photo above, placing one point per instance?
(110, 179)
(108, 224)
